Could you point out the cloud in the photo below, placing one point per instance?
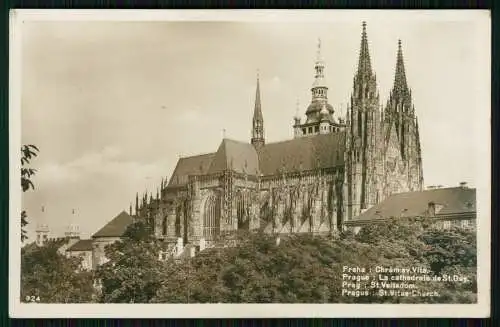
(91, 166)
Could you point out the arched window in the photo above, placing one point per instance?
(178, 220)
(164, 226)
(241, 211)
(211, 217)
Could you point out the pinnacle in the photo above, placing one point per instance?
(319, 58)
(400, 83)
(364, 65)
(257, 114)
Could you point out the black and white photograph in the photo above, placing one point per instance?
(249, 163)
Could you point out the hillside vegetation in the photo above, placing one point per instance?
(295, 269)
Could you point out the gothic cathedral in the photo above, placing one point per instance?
(331, 171)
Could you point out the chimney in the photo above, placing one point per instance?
(463, 184)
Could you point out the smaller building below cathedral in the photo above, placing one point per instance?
(447, 207)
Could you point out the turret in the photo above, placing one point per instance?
(72, 230)
(297, 132)
(317, 122)
(319, 90)
(42, 229)
(324, 124)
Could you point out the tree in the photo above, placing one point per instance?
(306, 268)
(416, 243)
(49, 277)
(28, 152)
(448, 248)
(134, 271)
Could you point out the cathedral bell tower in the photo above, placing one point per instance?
(400, 119)
(319, 113)
(258, 120)
(363, 174)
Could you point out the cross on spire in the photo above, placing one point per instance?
(318, 53)
(297, 107)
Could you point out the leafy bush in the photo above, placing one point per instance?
(301, 268)
(49, 277)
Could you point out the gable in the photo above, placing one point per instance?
(194, 165)
(116, 227)
(236, 156)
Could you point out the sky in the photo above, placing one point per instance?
(113, 104)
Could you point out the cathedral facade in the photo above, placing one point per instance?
(333, 169)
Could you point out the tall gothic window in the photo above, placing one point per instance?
(241, 211)
(164, 226)
(211, 217)
(178, 220)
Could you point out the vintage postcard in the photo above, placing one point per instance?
(239, 163)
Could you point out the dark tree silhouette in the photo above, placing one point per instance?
(28, 152)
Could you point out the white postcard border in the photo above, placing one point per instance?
(27, 310)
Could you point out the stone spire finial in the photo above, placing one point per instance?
(319, 67)
(400, 83)
(364, 64)
(318, 53)
(257, 114)
(258, 119)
